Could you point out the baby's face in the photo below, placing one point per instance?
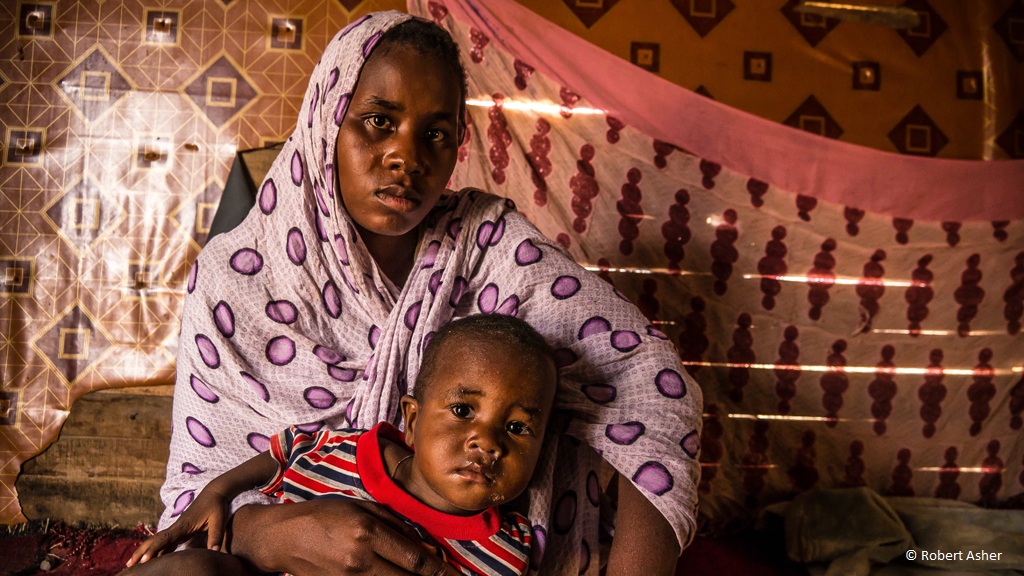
(478, 431)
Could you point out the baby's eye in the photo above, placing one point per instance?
(379, 122)
(517, 428)
(461, 410)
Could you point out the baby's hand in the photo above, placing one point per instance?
(209, 513)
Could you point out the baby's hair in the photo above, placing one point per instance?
(426, 37)
(507, 330)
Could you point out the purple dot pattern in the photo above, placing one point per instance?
(488, 299)
(282, 311)
(332, 81)
(540, 539)
(224, 318)
(652, 331)
(280, 350)
(625, 340)
(454, 227)
(190, 468)
(342, 374)
(600, 393)
(247, 261)
(565, 287)
(182, 502)
(435, 282)
(412, 315)
(258, 442)
(202, 390)
(565, 512)
(670, 383)
(429, 257)
(312, 106)
(320, 202)
(458, 289)
(332, 299)
(691, 444)
(654, 477)
(311, 427)
(509, 307)
(207, 351)
(281, 369)
(489, 233)
(199, 432)
(328, 355)
(595, 325)
(527, 253)
(320, 398)
(268, 197)
(256, 386)
(341, 109)
(625, 434)
(370, 43)
(296, 247)
(342, 248)
(296, 169)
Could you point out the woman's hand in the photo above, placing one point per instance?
(208, 512)
(330, 536)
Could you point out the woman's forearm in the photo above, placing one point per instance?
(644, 541)
(248, 541)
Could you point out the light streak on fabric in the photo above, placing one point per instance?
(539, 107)
(830, 280)
(926, 371)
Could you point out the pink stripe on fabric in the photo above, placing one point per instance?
(796, 161)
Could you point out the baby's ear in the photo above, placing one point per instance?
(410, 410)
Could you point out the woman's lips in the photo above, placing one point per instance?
(398, 198)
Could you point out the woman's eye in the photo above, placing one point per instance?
(517, 428)
(436, 135)
(379, 122)
(461, 410)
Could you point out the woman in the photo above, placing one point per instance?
(315, 310)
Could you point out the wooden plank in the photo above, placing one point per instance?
(107, 465)
(94, 457)
(119, 416)
(125, 502)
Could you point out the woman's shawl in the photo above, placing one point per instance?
(288, 321)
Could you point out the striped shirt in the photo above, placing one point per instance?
(348, 464)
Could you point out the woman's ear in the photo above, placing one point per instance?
(410, 409)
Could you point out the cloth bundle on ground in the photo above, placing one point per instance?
(850, 532)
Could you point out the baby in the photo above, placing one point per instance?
(473, 432)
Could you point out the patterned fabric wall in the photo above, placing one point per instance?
(835, 346)
(956, 78)
(119, 121)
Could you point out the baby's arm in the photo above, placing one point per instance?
(209, 511)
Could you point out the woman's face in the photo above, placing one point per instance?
(397, 145)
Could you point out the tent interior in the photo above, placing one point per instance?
(820, 204)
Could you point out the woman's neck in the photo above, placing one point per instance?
(394, 255)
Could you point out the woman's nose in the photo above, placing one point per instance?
(405, 155)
